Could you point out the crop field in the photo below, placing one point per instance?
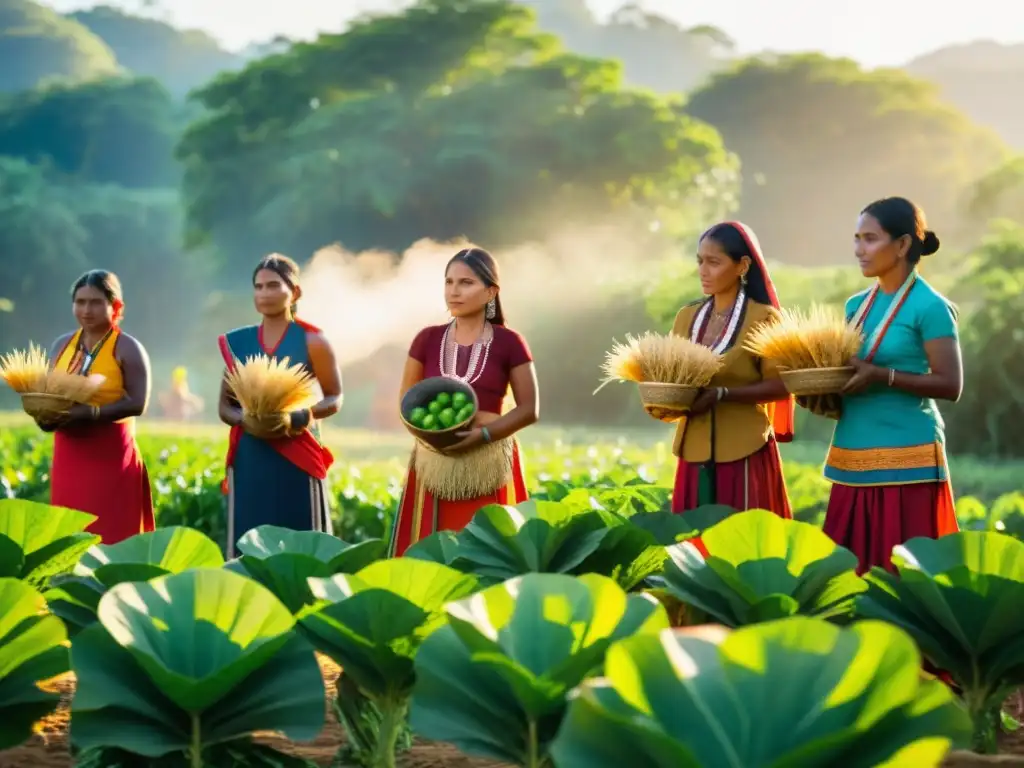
(583, 629)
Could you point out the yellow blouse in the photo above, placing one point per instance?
(105, 364)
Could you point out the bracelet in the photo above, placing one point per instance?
(486, 433)
(892, 376)
(722, 392)
(94, 412)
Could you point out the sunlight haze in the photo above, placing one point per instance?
(875, 32)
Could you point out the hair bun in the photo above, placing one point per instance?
(929, 243)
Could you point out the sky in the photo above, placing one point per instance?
(874, 32)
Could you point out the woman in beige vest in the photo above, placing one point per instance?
(727, 447)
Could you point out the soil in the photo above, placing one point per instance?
(49, 747)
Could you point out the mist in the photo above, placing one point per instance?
(370, 300)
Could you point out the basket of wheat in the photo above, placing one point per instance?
(811, 349)
(268, 391)
(46, 395)
(669, 372)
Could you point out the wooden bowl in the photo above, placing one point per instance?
(666, 402)
(816, 381)
(420, 394)
(43, 407)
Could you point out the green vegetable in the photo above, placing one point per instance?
(443, 398)
(465, 414)
(435, 407)
(417, 416)
(459, 399)
(429, 421)
(446, 417)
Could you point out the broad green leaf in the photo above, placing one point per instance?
(496, 680)
(205, 656)
(960, 598)
(823, 696)
(169, 550)
(51, 539)
(287, 575)
(372, 623)
(762, 567)
(12, 559)
(33, 650)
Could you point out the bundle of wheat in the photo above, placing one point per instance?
(812, 348)
(669, 370)
(268, 390)
(45, 394)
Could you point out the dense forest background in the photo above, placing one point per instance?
(586, 155)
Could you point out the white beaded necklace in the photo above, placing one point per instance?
(730, 330)
(449, 357)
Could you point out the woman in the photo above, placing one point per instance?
(279, 481)
(887, 462)
(727, 446)
(97, 467)
(477, 348)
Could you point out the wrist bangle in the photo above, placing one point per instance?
(486, 433)
(892, 376)
(722, 392)
(94, 412)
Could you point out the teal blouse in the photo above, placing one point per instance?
(886, 436)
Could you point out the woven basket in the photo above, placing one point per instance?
(266, 426)
(666, 402)
(420, 394)
(816, 381)
(43, 407)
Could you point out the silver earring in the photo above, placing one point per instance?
(492, 309)
(743, 279)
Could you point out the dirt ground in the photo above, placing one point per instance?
(49, 747)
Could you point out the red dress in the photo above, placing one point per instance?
(422, 513)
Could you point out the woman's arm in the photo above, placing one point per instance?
(944, 381)
(766, 391)
(228, 409)
(412, 375)
(325, 367)
(134, 362)
(523, 379)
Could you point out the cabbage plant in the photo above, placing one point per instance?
(761, 567)
(372, 624)
(961, 597)
(192, 662)
(799, 692)
(39, 541)
(75, 597)
(284, 560)
(33, 649)
(495, 681)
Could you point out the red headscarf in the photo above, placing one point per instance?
(782, 413)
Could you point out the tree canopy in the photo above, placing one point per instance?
(820, 138)
(37, 44)
(449, 119)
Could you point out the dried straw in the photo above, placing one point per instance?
(820, 338)
(664, 359)
(266, 386)
(28, 373)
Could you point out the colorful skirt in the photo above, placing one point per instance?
(422, 513)
(264, 488)
(755, 482)
(97, 468)
(871, 520)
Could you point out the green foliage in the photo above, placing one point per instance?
(38, 542)
(959, 597)
(37, 45)
(33, 650)
(496, 680)
(760, 567)
(790, 117)
(398, 102)
(189, 661)
(792, 692)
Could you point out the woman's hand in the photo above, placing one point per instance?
(705, 401)
(300, 420)
(471, 439)
(865, 374)
(51, 424)
(829, 406)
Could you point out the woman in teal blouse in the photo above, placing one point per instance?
(887, 462)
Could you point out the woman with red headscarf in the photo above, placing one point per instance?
(97, 467)
(728, 444)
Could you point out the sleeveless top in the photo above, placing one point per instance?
(104, 363)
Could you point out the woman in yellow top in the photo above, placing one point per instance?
(727, 446)
(97, 467)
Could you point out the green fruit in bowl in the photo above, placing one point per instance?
(444, 399)
(429, 422)
(464, 414)
(459, 399)
(416, 416)
(435, 407)
(446, 417)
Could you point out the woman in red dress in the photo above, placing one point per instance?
(97, 467)
(728, 446)
(444, 491)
